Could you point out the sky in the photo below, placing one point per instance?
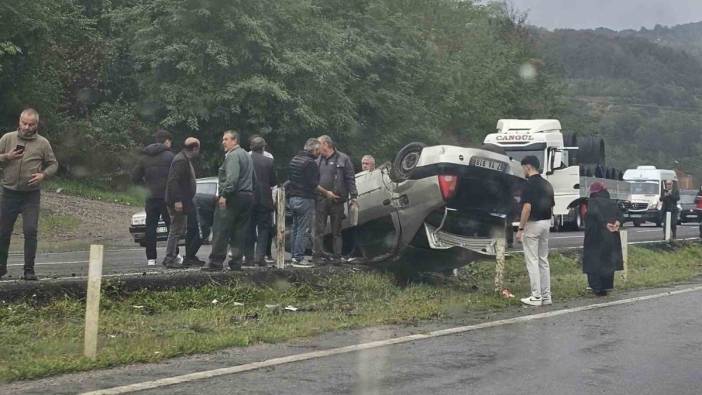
(613, 14)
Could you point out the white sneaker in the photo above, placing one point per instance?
(532, 301)
(151, 262)
(179, 259)
(546, 302)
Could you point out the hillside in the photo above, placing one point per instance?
(642, 96)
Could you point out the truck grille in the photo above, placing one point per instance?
(639, 206)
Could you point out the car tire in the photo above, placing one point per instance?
(405, 161)
(637, 223)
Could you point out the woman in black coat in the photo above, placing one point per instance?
(602, 253)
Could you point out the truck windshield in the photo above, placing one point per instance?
(644, 188)
(518, 155)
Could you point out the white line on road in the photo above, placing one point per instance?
(567, 237)
(186, 378)
(49, 263)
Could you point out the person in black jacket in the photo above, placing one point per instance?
(602, 249)
(301, 191)
(180, 191)
(152, 171)
(698, 205)
(336, 174)
(261, 214)
(670, 198)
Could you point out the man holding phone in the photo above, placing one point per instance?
(27, 159)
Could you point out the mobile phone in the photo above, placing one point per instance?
(19, 147)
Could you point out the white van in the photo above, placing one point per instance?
(646, 186)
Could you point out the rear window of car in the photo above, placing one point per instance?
(207, 188)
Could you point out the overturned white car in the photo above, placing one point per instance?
(440, 198)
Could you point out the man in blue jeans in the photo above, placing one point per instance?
(301, 191)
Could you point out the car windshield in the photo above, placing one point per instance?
(518, 155)
(644, 188)
(207, 188)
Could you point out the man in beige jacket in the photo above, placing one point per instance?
(27, 160)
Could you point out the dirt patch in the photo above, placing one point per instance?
(73, 222)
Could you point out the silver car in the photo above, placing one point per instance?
(445, 200)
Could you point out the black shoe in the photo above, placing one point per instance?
(191, 261)
(600, 293)
(3, 271)
(30, 276)
(171, 263)
(212, 267)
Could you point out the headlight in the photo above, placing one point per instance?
(138, 220)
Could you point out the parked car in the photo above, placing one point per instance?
(205, 200)
(688, 207)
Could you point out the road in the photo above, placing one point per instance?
(648, 347)
(133, 261)
(640, 342)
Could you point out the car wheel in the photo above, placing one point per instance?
(637, 223)
(405, 161)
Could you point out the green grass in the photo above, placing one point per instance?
(94, 190)
(42, 340)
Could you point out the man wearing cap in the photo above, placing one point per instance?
(534, 228)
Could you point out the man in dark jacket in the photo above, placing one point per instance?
(233, 212)
(670, 198)
(152, 171)
(336, 174)
(261, 215)
(180, 191)
(301, 192)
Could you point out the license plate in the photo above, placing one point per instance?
(691, 216)
(488, 164)
(161, 229)
(636, 215)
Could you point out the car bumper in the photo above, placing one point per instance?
(643, 216)
(138, 233)
(439, 240)
(690, 216)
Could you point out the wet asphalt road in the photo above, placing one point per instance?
(649, 347)
(644, 347)
(132, 261)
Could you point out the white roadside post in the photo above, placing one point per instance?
(92, 307)
(500, 246)
(280, 228)
(668, 218)
(624, 235)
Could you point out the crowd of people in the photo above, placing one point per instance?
(320, 191)
(322, 181)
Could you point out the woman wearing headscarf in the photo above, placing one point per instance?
(602, 253)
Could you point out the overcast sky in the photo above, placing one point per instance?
(613, 14)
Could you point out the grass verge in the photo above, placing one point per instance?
(42, 340)
(94, 190)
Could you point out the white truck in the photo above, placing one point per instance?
(646, 184)
(568, 164)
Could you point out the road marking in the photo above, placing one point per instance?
(567, 237)
(49, 263)
(186, 378)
